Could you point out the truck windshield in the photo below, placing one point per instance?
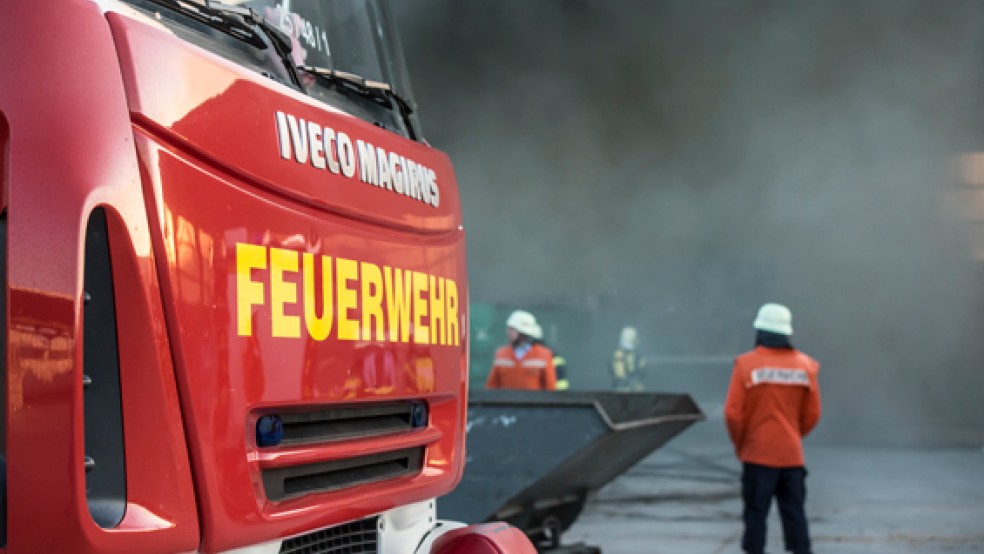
(355, 36)
(345, 53)
(350, 36)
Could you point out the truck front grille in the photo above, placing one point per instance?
(357, 537)
(288, 482)
(344, 423)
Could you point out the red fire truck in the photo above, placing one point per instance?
(234, 286)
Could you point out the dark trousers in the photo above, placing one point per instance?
(759, 484)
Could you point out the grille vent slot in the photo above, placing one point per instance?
(357, 537)
(346, 423)
(288, 482)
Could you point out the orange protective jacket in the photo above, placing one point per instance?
(534, 371)
(773, 402)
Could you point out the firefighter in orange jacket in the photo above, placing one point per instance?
(773, 402)
(522, 364)
(560, 363)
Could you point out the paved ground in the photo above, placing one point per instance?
(684, 499)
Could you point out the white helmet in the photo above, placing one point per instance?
(628, 338)
(525, 323)
(774, 318)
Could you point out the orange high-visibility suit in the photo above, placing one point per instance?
(534, 371)
(773, 402)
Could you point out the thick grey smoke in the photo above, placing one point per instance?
(676, 164)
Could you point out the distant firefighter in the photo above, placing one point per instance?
(627, 364)
(560, 363)
(522, 364)
(773, 402)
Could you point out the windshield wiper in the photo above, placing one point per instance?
(216, 18)
(368, 87)
(279, 39)
(240, 23)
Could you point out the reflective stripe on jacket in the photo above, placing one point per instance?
(773, 402)
(626, 363)
(534, 371)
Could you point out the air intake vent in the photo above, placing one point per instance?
(287, 482)
(104, 460)
(358, 537)
(351, 422)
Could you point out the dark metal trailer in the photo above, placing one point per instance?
(533, 457)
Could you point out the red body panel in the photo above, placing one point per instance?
(181, 148)
(69, 149)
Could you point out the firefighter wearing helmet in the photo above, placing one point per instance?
(773, 402)
(560, 363)
(523, 363)
(627, 365)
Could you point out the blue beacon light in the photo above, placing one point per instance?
(269, 430)
(419, 416)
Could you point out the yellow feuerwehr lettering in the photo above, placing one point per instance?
(347, 298)
(319, 327)
(397, 292)
(421, 333)
(249, 293)
(451, 292)
(438, 333)
(372, 301)
(368, 301)
(283, 292)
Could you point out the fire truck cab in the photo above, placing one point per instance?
(234, 286)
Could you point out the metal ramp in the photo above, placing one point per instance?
(533, 457)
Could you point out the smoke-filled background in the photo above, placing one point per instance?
(673, 165)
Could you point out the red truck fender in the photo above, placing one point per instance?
(486, 538)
